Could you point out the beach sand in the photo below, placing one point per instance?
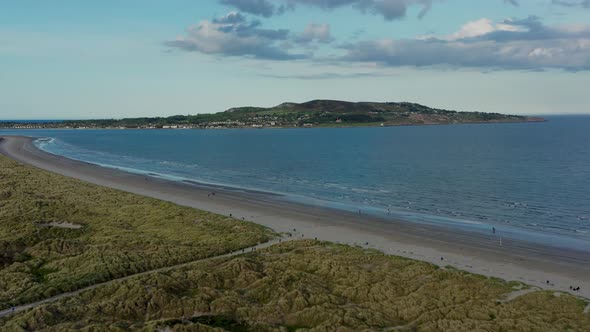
(527, 262)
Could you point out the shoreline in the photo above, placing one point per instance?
(510, 259)
(361, 125)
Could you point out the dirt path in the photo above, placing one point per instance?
(10, 311)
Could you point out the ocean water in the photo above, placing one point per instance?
(526, 179)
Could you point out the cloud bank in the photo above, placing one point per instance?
(388, 9)
(256, 7)
(512, 44)
(234, 35)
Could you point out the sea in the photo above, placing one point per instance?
(525, 180)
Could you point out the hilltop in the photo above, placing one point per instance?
(315, 113)
(343, 113)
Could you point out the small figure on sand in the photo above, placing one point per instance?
(359, 212)
(493, 230)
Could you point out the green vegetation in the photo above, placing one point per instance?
(59, 234)
(308, 286)
(313, 113)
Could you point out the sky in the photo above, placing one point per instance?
(71, 59)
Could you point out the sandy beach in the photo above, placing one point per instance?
(527, 262)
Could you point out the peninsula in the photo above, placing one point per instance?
(315, 113)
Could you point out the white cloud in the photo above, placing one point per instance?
(233, 35)
(511, 44)
(315, 32)
(479, 28)
(389, 9)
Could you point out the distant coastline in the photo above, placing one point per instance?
(312, 114)
(37, 125)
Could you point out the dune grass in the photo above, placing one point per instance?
(308, 286)
(120, 234)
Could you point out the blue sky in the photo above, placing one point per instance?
(102, 59)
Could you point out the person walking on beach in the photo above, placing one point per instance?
(493, 230)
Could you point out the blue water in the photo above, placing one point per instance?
(526, 178)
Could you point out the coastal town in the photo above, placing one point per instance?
(264, 123)
(315, 113)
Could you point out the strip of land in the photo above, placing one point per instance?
(543, 266)
(315, 113)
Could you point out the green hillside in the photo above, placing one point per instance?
(315, 113)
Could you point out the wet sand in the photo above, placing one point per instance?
(486, 254)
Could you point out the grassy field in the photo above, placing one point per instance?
(293, 286)
(309, 286)
(59, 234)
